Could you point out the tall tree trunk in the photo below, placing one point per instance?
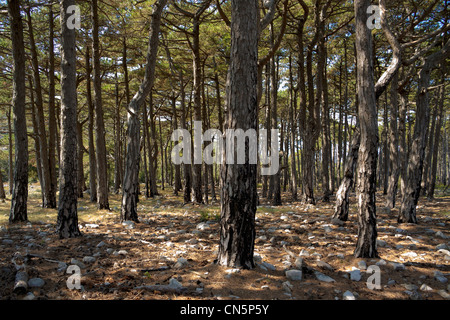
(416, 157)
(67, 223)
(102, 174)
(437, 137)
(10, 151)
(197, 167)
(91, 111)
(80, 176)
(20, 188)
(117, 155)
(131, 177)
(177, 185)
(49, 199)
(52, 125)
(239, 194)
(276, 200)
(393, 146)
(293, 132)
(367, 155)
(186, 166)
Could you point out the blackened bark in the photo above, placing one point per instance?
(20, 188)
(239, 196)
(52, 133)
(367, 156)
(393, 146)
(417, 154)
(102, 175)
(92, 156)
(67, 223)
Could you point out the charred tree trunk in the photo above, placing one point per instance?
(92, 156)
(416, 156)
(367, 156)
(239, 194)
(67, 223)
(102, 174)
(20, 188)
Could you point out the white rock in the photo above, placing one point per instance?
(355, 275)
(304, 253)
(410, 254)
(348, 295)
(298, 262)
(128, 224)
(444, 294)
(295, 275)
(322, 277)
(425, 287)
(181, 262)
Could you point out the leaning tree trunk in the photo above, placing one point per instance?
(239, 196)
(131, 176)
(417, 154)
(20, 188)
(67, 223)
(367, 155)
(49, 198)
(342, 195)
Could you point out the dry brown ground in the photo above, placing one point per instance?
(169, 230)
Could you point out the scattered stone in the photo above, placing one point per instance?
(181, 262)
(268, 266)
(440, 277)
(175, 284)
(304, 253)
(324, 265)
(322, 277)
(287, 287)
(440, 235)
(391, 282)
(381, 243)
(441, 246)
(202, 226)
(101, 244)
(414, 295)
(425, 287)
(89, 259)
(298, 263)
(91, 225)
(29, 296)
(295, 275)
(122, 252)
(362, 265)
(348, 295)
(398, 266)
(128, 224)
(77, 263)
(381, 263)
(355, 275)
(410, 287)
(444, 294)
(7, 241)
(444, 252)
(36, 283)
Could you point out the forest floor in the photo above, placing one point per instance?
(139, 260)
